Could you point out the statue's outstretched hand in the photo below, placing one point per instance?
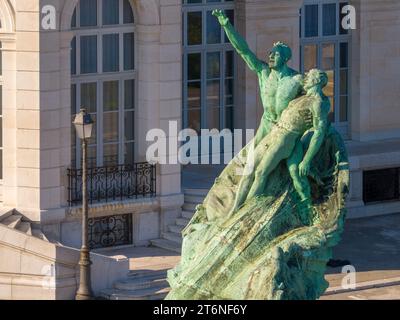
(222, 18)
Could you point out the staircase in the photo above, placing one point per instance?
(139, 285)
(172, 239)
(12, 219)
(152, 284)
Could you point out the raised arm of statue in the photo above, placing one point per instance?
(239, 43)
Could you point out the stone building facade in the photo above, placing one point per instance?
(37, 146)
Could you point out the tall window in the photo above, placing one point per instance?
(103, 79)
(208, 66)
(325, 45)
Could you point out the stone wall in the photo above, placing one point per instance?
(37, 120)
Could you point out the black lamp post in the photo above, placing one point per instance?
(84, 126)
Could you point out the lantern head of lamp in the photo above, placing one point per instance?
(84, 125)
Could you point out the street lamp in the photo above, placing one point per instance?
(84, 125)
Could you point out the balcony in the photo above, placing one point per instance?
(113, 183)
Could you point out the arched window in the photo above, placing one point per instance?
(103, 79)
(325, 45)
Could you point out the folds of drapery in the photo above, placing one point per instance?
(263, 251)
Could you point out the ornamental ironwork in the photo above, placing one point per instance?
(110, 231)
(113, 183)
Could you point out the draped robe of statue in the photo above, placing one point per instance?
(263, 250)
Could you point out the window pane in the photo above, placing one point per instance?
(311, 20)
(110, 53)
(213, 29)
(92, 157)
(129, 94)
(194, 66)
(129, 125)
(310, 57)
(110, 127)
(343, 108)
(213, 91)
(110, 96)
(229, 92)
(73, 56)
(213, 65)
(194, 28)
(194, 94)
(110, 153)
(89, 97)
(194, 119)
(329, 19)
(328, 56)
(213, 118)
(110, 12)
(129, 153)
(88, 54)
(229, 118)
(88, 16)
(128, 13)
(343, 82)
(229, 66)
(344, 55)
(129, 51)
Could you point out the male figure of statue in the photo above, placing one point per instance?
(278, 83)
(287, 145)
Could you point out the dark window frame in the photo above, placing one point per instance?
(370, 175)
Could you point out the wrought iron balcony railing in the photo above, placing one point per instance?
(113, 183)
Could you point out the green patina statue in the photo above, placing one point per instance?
(269, 233)
(278, 83)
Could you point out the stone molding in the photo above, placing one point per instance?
(146, 12)
(7, 16)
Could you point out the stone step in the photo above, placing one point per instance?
(36, 232)
(143, 294)
(189, 206)
(198, 192)
(140, 283)
(4, 214)
(182, 222)
(12, 221)
(166, 244)
(196, 199)
(187, 214)
(172, 237)
(176, 229)
(25, 227)
(161, 273)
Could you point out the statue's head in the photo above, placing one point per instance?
(279, 55)
(315, 77)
